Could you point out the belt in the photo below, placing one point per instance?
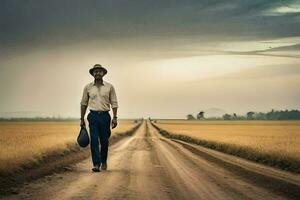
(99, 111)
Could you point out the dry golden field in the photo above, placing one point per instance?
(27, 142)
(267, 141)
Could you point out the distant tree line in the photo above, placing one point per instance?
(38, 119)
(272, 115)
(54, 118)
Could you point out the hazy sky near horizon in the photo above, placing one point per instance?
(165, 58)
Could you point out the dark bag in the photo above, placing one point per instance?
(83, 138)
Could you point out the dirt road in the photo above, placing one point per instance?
(147, 166)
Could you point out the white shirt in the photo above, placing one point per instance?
(99, 97)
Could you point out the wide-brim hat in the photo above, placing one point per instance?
(99, 67)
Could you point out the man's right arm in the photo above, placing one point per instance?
(82, 114)
(83, 106)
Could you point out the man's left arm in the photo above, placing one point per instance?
(114, 106)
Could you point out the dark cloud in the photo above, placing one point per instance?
(284, 51)
(254, 53)
(56, 22)
(295, 47)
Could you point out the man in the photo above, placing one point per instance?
(99, 95)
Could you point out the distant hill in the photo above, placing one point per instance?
(214, 112)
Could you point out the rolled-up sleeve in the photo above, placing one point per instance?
(113, 98)
(85, 98)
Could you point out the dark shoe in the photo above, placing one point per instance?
(96, 168)
(104, 166)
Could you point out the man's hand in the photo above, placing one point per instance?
(114, 123)
(82, 123)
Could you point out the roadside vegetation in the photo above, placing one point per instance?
(274, 143)
(26, 143)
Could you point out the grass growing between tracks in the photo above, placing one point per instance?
(274, 143)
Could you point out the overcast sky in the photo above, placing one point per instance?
(165, 58)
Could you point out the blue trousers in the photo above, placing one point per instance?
(99, 124)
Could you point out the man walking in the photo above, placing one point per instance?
(99, 95)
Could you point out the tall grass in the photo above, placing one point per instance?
(24, 143)
(275, 143)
